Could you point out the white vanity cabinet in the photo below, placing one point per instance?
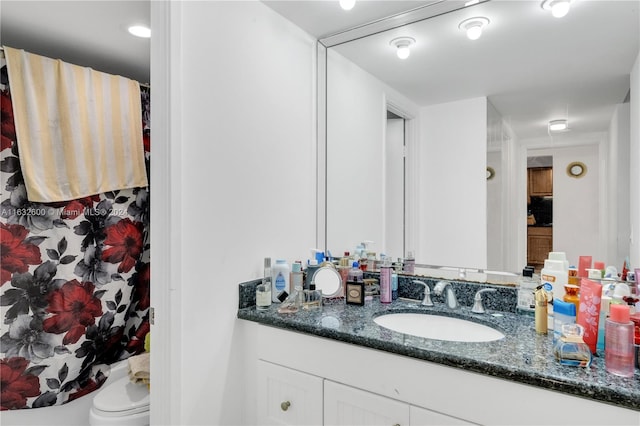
(333, 383)
(288, 397)
(422, 417)
(347, 406)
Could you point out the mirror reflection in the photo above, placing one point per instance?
(459, 106)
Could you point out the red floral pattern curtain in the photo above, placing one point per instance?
(74, 283)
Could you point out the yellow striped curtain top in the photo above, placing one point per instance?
(79, 131)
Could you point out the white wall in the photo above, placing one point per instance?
(394, 193)
(617, 226)
(495, 220)
(242, 169)
(356, 167)
(495, 192)
(634, 190)
(452, 208)
(576, 225)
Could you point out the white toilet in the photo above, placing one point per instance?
(120, 402)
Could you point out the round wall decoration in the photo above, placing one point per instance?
(576, 169)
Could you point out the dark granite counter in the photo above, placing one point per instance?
(522, 356)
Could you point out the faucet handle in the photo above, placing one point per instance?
(427, 293)
(478, 307)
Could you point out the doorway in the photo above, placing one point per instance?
(539, 209)
(395, 202)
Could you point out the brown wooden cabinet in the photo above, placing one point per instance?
(540, 181)
(539, 244)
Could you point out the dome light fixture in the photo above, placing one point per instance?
(347, 4)
(558, 125)
(402, 44)
(558, 8)
(474, 26)
(140, 31)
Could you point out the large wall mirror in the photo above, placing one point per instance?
(410, 142)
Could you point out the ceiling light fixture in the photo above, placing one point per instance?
(140, 31)
(558, 8)
(347, 4)
(474, 26)
(558, 125)
(402, 45)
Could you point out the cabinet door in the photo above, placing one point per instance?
(540, 181)
(539, 244)
(288, 397)
(423, 417)
(344, 405)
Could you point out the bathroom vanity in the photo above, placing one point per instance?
(339, 367)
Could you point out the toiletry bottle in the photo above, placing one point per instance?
(394, 285)
(263, 294)
(571, 295)
(618, 349)
(605, 304)
(554, 276)
(355, 273)
(312, 267)
(296, 275)
(589, 315)
(263, 290)
(354, 294)
(312, 298)
(409, 263)
(541, 310)
(385, 281)
(526, 288)
(564, 313)
(570, 348)
(279, 279)
(343, 268)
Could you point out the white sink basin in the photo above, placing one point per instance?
(438, 327)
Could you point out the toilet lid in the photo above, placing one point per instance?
(122, 396)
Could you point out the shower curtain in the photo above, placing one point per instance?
(74, 282)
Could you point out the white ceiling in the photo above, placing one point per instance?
(532, 67)
(87, 33)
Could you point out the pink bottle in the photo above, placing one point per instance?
(618, 348)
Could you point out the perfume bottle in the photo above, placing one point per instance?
(293, 301)
(570, 348)
(312, 298)
(263, 294)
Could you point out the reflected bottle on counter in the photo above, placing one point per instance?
(409, 263)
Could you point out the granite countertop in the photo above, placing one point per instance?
(522, 356)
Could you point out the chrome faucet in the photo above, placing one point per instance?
(450, 295)
(478, 307)
(427, 293)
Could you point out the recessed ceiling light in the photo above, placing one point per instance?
(347, 4)
(140, 31)
(402, 45)
(558, 8)
(558, 125)
(474, 26)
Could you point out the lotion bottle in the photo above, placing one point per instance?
(618, 348)
(385, 281)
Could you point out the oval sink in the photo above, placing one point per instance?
(438, 327)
